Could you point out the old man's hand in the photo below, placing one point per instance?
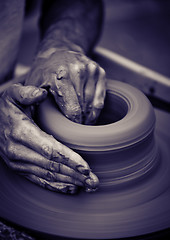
(76, 82)
(33, 153)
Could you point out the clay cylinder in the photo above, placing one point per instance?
(120, 148)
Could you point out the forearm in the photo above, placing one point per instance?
(73, 25)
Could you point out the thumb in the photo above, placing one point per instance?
(25, 95)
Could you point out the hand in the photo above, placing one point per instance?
(77, 83)
(33, 153)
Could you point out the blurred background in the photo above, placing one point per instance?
(136, 29)
(140, 31)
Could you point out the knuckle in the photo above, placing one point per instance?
(78, 67)
(47, 151)
(82, 67)
(57, 167)
(53, 166)
(92, 67)
(99, 105)
(49, 176)
(15, 133)
(74, 68)
(23, 92)
(64, 160)
(62, 72)
(50, 165)
(18, 131)
(10, 151)
(102, 72)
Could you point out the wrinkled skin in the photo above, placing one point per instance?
(33, 153)
(76, 82)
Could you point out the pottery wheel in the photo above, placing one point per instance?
(138, 209)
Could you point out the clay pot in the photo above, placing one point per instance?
(120, 148)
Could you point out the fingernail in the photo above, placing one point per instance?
(83, 170)
(91, 118)
(92, 182)
(50, 176)
(36, 93)
(89, 182)
(77, 118)
(44, 91)
(60, 93)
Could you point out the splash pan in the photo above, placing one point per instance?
(131, 158)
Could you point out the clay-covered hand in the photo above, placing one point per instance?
(77, 83)
(31, 152)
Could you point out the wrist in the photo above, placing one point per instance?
(49, 46)
(64, 35)
(49, 49)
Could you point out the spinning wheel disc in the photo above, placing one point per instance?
(139, 208)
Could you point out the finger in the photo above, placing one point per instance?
(78, 75)
(26, 168)
(98, 101)
(21, 155)
(91, 183)
(54, 186)
(26, 95)
(90, 87)
(66, 99)
(31, 136)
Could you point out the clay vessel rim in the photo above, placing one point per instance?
(137, 124)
